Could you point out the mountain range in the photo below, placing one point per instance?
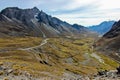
(33, 22)
(103, 27)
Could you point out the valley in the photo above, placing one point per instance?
(51, 58)
(38, 46)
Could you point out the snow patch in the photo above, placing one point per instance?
(35, 17)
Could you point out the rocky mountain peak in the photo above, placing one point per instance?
(35, 9)
(15, 12)
(10, 12)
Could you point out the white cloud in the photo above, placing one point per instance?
(109, 4)
(92, 18)
(93, 12)
(77, 3)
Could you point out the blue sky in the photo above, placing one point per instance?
(84, 12)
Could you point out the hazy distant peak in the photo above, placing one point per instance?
(103, 27)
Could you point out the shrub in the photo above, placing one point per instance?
(5, 78)
(1, 72)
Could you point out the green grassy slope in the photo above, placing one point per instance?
(54, 58)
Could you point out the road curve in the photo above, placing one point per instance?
(42, 43)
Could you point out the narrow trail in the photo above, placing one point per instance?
(42, 43)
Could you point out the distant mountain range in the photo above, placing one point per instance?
(33, 22)
(103, 27)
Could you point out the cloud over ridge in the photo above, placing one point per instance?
(85, 12)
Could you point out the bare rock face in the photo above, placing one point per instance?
(17, 22)
(20, 14)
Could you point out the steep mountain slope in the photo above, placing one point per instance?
(114, 32)
(110, 41)
(103, 27)
(32, 22)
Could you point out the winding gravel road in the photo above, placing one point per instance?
(42, 43)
